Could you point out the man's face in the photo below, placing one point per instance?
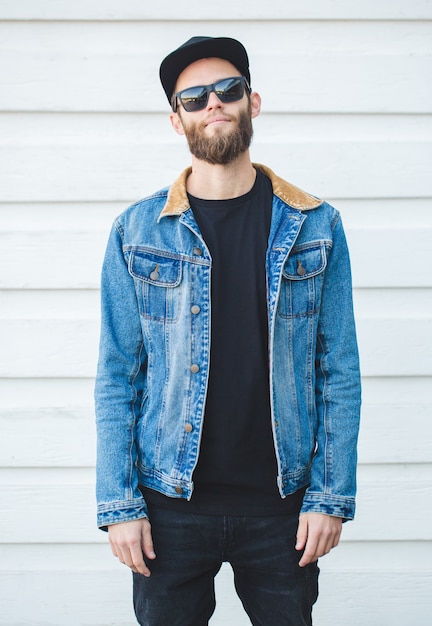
(220, 132)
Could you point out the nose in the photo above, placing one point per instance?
(213, 101)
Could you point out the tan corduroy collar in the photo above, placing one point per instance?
(177, 201)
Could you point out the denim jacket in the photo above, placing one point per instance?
(155, 350)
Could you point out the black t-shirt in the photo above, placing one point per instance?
(237, 471)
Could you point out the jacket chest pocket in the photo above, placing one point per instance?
(157, 282)
(302, 278)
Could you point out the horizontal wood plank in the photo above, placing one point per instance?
(52, 260)
(225, 12)
(27, 130)
(366, 67)
(357, 214)
(388, 346)
(65, 509)
(392, 347)
(48, 437)
(118, 173)
(49, 348)
(381, 213)
(392, 428)
(87, 598)
(402, 556)
(72, 259)
(399, 573)
(51, 393)
(395, 598)
(105, 598)
(66, 437)
(395, 427)
(61, 329)
(391, 598)
(118, 158)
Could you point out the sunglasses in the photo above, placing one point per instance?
(195, 98)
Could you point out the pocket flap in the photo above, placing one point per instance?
(155, 269)
(305, 262)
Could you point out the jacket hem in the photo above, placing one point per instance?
(336, 506)
(117, 512)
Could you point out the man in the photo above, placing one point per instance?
(228, 388)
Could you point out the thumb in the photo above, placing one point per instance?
(302, 532)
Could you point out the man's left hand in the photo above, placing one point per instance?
(317, 534)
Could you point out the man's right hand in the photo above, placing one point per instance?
(128, 542)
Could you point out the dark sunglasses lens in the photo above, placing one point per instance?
(194, 99)
(230, 89)
(227, 90)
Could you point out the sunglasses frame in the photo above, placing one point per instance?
(209, 89)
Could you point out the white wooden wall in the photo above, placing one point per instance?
(347, 98)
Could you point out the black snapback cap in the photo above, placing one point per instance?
(202, 48)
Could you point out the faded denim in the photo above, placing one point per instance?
(155, 350)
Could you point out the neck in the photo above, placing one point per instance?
(221, 182)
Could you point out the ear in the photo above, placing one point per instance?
(255, 100)
(177, 123)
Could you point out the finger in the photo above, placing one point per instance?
(147, 542)
(302, 533)
(137, 563)
(132, 557)
(113, 549)
(337, 537)
(329, 537)
(310, 552)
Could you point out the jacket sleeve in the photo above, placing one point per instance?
(338, 391)
(120, 387)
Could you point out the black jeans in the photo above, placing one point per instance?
(190, 550)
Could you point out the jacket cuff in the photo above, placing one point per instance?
(329, 504)
(122, 511)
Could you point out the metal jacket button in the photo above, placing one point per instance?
(195, 309)
(188, 427)
(300, 269)
(198, 251)
(155, 273)
(194, 368)
(178, 490)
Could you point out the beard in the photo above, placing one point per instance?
(223, 147)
